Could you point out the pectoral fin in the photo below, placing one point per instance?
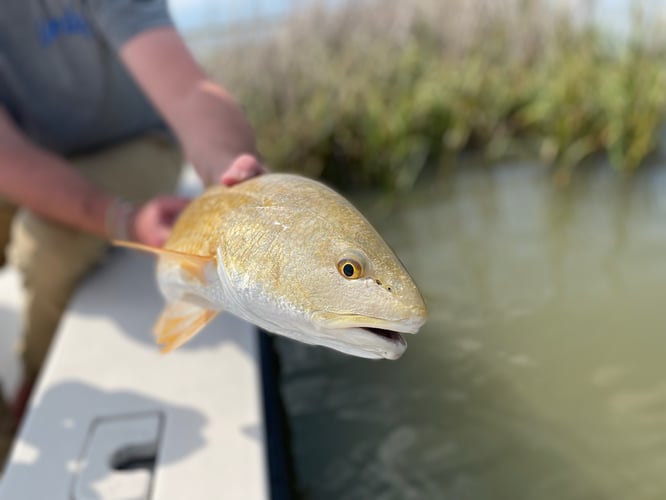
(193, 264)
(179, 322)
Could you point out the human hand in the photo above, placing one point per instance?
(242, 168)
(151, 222)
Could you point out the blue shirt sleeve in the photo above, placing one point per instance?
(120, 20)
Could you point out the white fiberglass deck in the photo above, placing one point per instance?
(107, 392)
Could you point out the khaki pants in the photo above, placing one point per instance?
(53, 258)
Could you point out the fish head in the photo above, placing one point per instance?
(314, 269)
(366, 300)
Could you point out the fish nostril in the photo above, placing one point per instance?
(388, 288)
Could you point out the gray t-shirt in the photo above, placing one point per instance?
(60, 75)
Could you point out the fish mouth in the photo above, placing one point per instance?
(373, 342)
(389, 335)
(366, 337)
(378, 342)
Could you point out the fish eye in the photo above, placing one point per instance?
(350, 269)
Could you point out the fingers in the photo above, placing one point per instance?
(159, 236)
(172, 204)
(243, 167)
(152, 222)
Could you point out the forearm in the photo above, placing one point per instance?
(212, 129)
(47, 185)
(209, 123)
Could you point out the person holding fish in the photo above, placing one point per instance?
(100, 103)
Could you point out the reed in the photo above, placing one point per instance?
(377, 92)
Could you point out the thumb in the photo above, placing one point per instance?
(172, 204)
(242, 168)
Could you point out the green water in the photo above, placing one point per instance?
(541, 372)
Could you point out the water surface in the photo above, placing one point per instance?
(541, 372)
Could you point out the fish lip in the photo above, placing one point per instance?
(388, 344)
(409, 326)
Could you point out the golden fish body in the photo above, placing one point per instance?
(293, 257)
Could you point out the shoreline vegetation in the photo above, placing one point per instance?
(377, 93)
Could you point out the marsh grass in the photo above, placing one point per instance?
(377, 92)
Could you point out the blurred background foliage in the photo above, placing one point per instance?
(380, 92)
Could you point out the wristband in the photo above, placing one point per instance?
(117, 220)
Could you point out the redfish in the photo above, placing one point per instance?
(291, 256)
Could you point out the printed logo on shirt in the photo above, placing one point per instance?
(70, 23)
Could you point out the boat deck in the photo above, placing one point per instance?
(111, 417)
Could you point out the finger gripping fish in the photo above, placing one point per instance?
(291, 256)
